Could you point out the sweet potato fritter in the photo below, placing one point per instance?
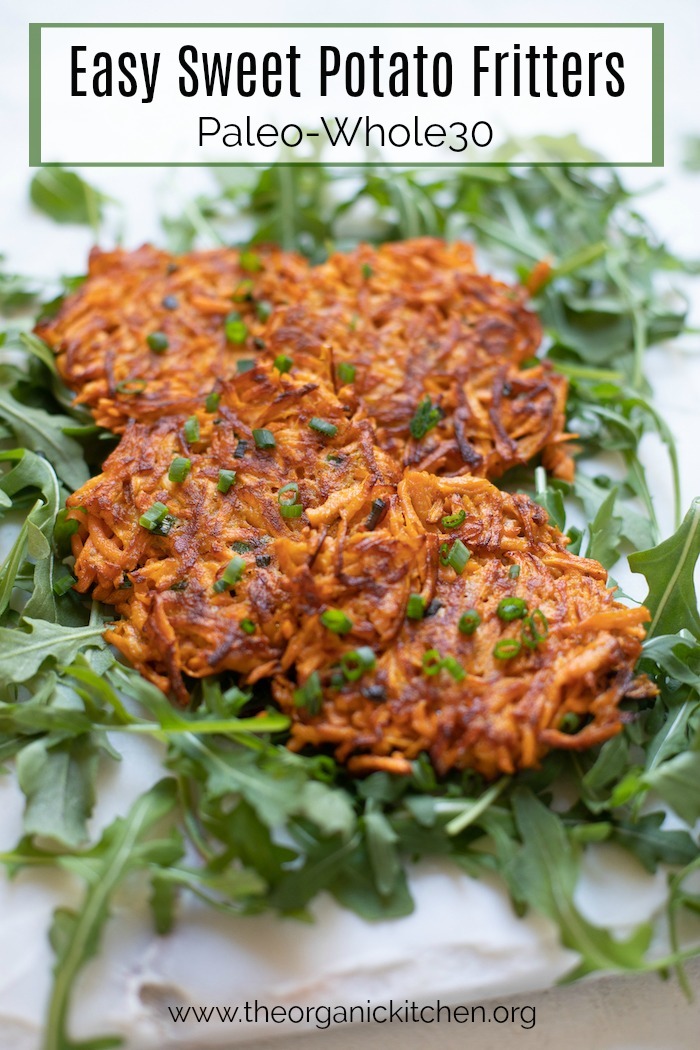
(322, 518)
(431, 686)
(101, 332)
(438, 355)
(177, 618)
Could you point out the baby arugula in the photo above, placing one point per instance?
(271, 829)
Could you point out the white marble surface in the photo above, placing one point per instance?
(463, 943)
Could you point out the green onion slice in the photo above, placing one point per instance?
(227, 478)
(231, 575)
(179, 468)
(243, 291)
(336, 621)
(424, 418)
(212, 402)
(453, 521)
(346, 372)
(514, 572)
(131, 387)
(454, 668)
(283, 363)
(535, 629)
(322, 426)
(263, 438)
(246, 364)
(432, 662)
(511, 609)
(506, 648)
(415, 610)
(288, 494)
(235, 328)
(248, 626)
(456, 556)
(356, 662)
(63, 584)
(263, 309)
(157, 519)
(158, 342)
(469, 621)
(191, 430)
(250, 262)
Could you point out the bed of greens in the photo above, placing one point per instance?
(236, 818)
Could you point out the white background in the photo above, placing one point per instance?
(462, 943)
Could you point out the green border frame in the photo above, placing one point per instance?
(657, 92)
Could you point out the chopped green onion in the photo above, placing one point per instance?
(169, 303)
(454, 668)
(287, 500)
(158, 342)
(131, 387)
(514, 572)
(241, 449)
(191, 430)
(283, 363)
(337, 680)
(231, 575)
(376, 514)
(310, 695)
(240, 547)
(181, 585)
(323, 426)
(246, 364)
(346, 372)
(212, 402)
(415, 610)
(455, 556)
(248, 626)
(157, 519)
(250, 262)
(235, 328)
(530, 362)
(424, 419)
(258, 343)
(263, 309)
(367, 271)
(511, 609)
(179, 468)
(469, 621)
(336, 621)
(432, 662)
(63, 584)
(227, 478)
(570, 722)
(294, 510)
(453, 521)
(535, 629)
(356, 662)
(263, 438)
(506, 648)
(292, 488)
(243, 291)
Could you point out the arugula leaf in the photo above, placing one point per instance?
(668, 570)
(40, 431)
(605, 532)
(25, 651)
(75, 935)
(544, 874)
(67, 198)
(677, 781)
(651, 843)
(59, 783)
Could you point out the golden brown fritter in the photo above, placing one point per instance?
(101, 332)
(178, 619)
(438, 351)
(442, 357)
(460, 696)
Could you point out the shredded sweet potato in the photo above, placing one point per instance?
(388, 385)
